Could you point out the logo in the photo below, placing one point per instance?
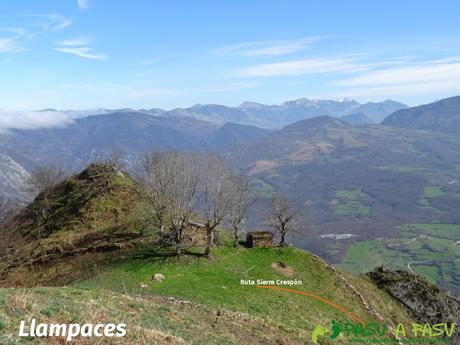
(377, 332)
(319, 331)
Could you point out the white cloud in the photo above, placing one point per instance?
(305, 66)
(409, 78)
(234, 87)
(13, 39)
(407, 89)
(83, 4)
(33, 119)
(76, 42)
(10, 43)
(84, 52)
(123, 94)
(149, 92)
(47, 23)
(269, 48)
(57, 22)
(151, 61)
(418, 72)
(79, 47)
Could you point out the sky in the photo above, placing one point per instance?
(88, 54)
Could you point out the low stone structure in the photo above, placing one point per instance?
(259, 239)
(195, 234)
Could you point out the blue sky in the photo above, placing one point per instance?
(69, 54)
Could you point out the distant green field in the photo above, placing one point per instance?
(433, 243)
(405, 168)
(448, 231)
(427, 194)
(432, 192)
(351, 202)
(352, 208)
(352, 194)
(431, 273)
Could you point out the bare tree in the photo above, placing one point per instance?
(170, 180)
(284, 216)
(108, 165)
(41, 182)
(240, 202)
(112, 160)
(154, 180)
(216, 198)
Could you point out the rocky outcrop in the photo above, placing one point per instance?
(12, 177)
(426, 302)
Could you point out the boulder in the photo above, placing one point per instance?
(158, 277)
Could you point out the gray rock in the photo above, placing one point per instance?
(158, 277)
(427, 303)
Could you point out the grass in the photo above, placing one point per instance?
(363, 256)
(431, 273)
(216, 283)
(215, 308)
(149, 320)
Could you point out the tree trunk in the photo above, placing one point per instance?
(209, 240)
(282, 240)
(178, 240)
(236, 231)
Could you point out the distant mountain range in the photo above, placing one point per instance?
(266, 116)
(277, 116)
(201, 127)
(131, 132)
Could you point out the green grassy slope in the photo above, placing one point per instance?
(150, 320)
(216, 283)
(215, 308)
